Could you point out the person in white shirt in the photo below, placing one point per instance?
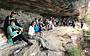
(31, 31)
(51, 24)
(34, 36)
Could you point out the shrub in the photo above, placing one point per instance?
(73, 52)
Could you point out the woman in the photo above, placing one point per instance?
(15, 32)
(31, 31)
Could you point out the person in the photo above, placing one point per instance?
(64, 21)
(40, 26)
(15, 32)
(51, 25)
(17, 22)
(7, 22)
(31, 31)
(81, 23)
(36, 27)
(73, 23)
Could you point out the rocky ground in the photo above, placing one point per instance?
(58, 41)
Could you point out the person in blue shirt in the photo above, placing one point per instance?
(36, 28)
(15, 32)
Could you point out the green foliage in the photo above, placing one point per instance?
(87, 19)
(73, 52)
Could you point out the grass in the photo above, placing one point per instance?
(73, 52)
(87, 19)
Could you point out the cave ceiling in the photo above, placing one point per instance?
(53, 7)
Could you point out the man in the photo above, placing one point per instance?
(15, 32)
(7, 21)
(82, 21)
